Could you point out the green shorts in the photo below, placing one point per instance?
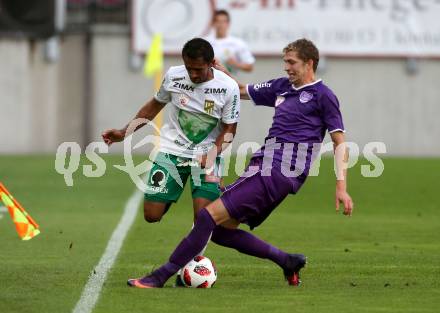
(168, 176)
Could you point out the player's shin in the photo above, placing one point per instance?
(195, 241)
(179, 281)
(188, 248)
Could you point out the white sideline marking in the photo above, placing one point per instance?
(92, 289)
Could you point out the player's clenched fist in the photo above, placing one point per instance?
(113, 135)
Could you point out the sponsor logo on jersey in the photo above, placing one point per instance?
(262, 85)
(305, 97)
(176, 79)
(280, 99)
(183, 99)
(209, 106)
(179, 143)
(215, 91)
(183, 86)
(234, 112)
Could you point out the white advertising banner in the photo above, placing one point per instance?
(177, 21)
(338, 27)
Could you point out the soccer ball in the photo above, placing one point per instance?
(200, 272)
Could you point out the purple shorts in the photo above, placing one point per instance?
(252, 198)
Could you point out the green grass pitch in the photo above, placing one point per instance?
(386, 258)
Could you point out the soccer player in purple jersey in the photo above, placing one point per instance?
(305, 109)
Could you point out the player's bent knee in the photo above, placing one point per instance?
(152, 218)
(218, 212)
(230, 224)
(153, 212)
(223, 236)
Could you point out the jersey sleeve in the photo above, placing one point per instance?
(231, 109)
(164, 95)
(263, 93)
(331, 113)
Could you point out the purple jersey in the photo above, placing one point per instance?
(302, 117)
(301, 114)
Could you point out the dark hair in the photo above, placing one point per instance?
(198, 48)
(221, 12)
(306, 51)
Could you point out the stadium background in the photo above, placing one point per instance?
(96, 82)
(72, 86)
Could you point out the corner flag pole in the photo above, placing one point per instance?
(153, 67)
(26, 227)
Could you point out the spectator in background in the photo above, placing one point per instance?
(229, 50)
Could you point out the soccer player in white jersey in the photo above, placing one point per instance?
(231, 51)
(204, 108)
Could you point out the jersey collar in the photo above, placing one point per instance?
(306, 85)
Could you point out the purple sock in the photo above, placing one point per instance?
(187, 249)
(247, 243)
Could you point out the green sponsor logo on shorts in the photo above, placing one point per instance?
(158, 180)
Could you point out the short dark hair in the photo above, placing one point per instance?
(221, 12)
(198, 48)
(306, 51)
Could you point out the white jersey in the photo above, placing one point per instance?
(231, 47)
(196, 111)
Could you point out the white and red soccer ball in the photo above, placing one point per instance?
(200, 272)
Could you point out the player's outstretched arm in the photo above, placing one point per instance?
(341, 158)
(148, 111)
(243, 91)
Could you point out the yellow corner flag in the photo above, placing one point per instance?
(26, 227)
(153, 67)
(154, 58)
